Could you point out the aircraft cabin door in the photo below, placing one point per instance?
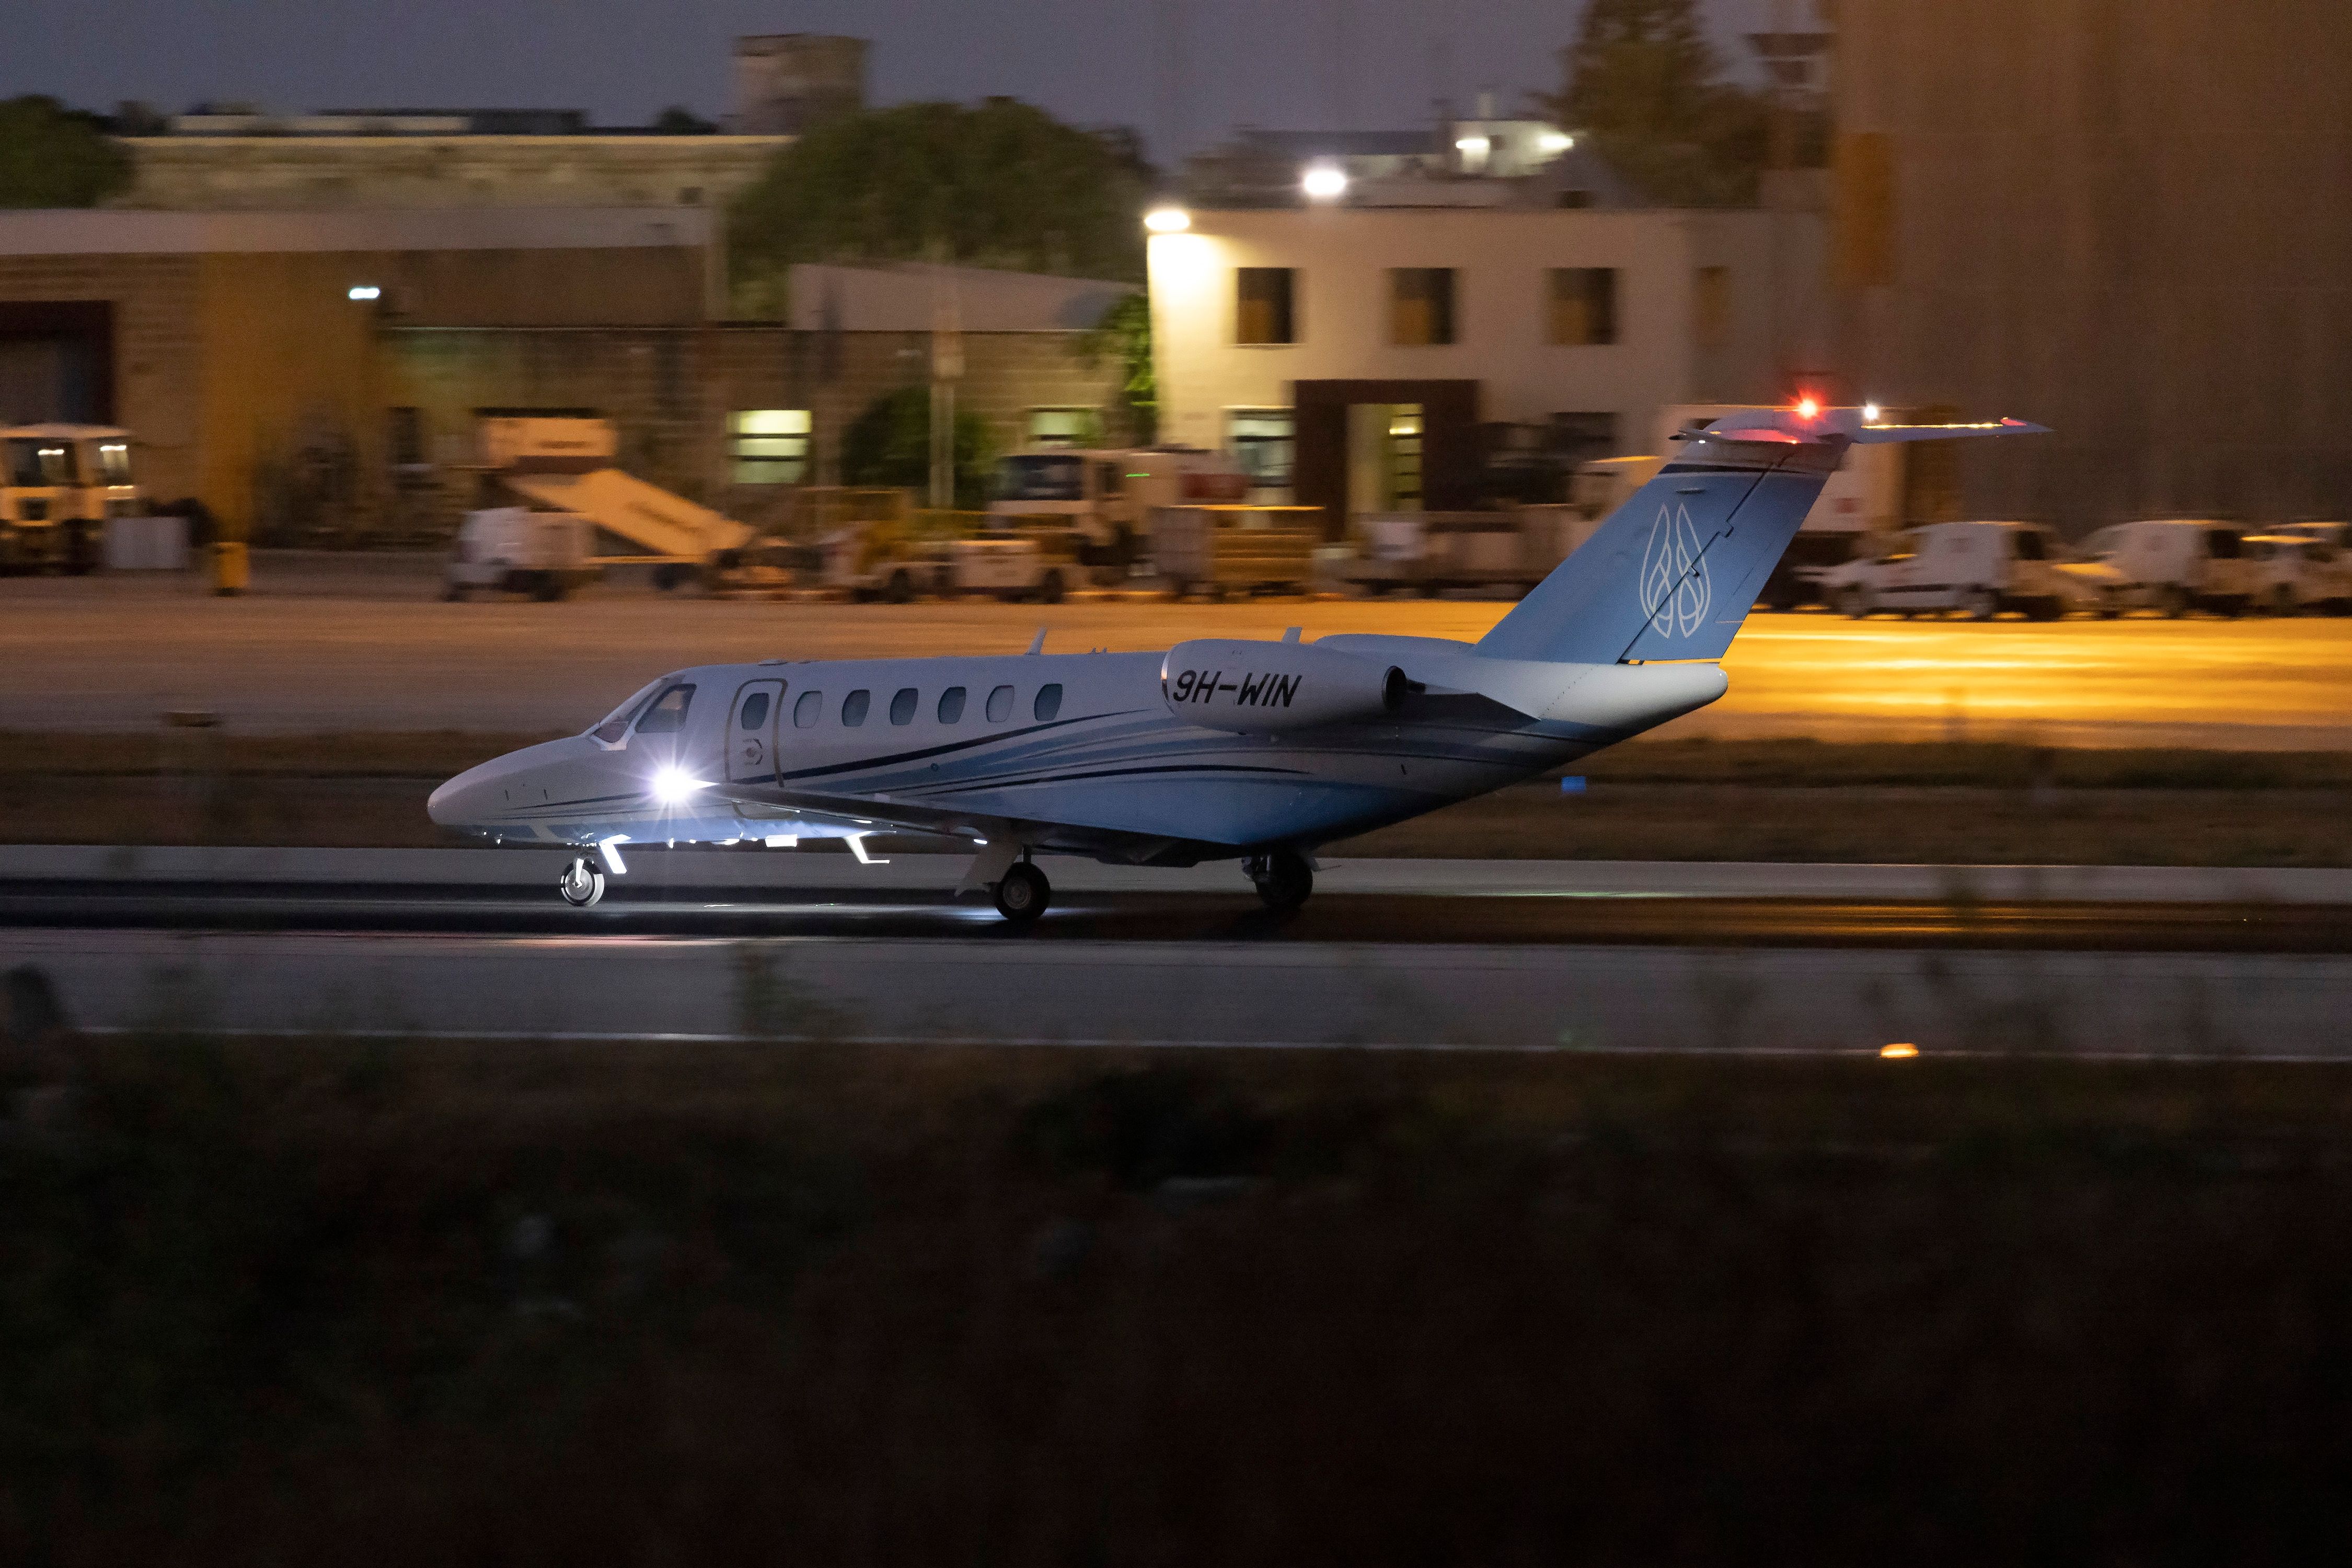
(752, 732)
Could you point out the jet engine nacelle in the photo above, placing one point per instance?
(1264, 688)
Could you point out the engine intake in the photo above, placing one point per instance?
(1268, 687)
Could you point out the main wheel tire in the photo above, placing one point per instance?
(1049, 588)
(1854, 601)
(2049, 607)
(549, 589)
(901, 589)
(2173, 601)
(1980, 603)
(582, 884)
(1284, 880)
(1023, 893)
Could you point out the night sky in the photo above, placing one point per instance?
(1267, 62)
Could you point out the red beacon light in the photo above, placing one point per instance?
(1807, 409)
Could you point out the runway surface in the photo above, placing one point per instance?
(1518, 955)
(350, 651)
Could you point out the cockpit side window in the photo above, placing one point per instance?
(666, 716)
(616, 724)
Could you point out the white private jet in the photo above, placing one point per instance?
(1252, 750)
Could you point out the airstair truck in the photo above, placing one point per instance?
(568, 466)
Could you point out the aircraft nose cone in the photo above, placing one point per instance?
(449, 805)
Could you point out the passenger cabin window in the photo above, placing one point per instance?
(1048, 703)
(951, 705)
(852, 708)
(1000, 705)
(808, 710)
(668, 714)
(902, 706)
(755, 710)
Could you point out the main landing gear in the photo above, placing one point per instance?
(582, 884)
(1283, 878)
(1023, 893)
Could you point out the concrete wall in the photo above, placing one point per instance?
(247, 172)
(1343, 255)
(2123, 220)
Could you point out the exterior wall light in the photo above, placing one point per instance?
(1168, 220)
(363, 291)
(1324, 181)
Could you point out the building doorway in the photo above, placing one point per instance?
(56, 362)
(1371, 447)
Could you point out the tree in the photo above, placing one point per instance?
(1124, 334)
(997, 185)
(52, 156)
(1643, 83)
(891, 444)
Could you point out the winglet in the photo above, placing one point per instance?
(1037, 644)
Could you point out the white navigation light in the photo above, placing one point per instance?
(1324, 181)
(1168, 220)
(363, 291)
(673, 786)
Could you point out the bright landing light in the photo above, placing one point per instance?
(1870, 413)
(1167, 220)
(673, 786)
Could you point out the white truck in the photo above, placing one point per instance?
(514, 550)
(1102, 500)
(1978, 568)
(2298, 572)
(2171, 565)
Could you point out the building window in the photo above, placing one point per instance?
(1711, 307)
(1584, 305)
(1421, 305)
(1262, 441)
(1266, 306)
(1052, 427)
(769, 446)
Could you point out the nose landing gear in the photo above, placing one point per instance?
(582, 884)
(1283, 878)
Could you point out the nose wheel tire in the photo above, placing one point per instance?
(1023, 894)
(582, 884)
(1283, 878)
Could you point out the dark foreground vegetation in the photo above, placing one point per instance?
(317, 1303)
(1969, 803)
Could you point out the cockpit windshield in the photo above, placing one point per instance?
(616, 724)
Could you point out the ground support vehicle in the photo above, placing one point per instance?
(1978, 568)
(2168, 566)
(1219, 549)
(566, 465)
(1105, 498)
(58, 485)
(2295, 572)
(1430, 553)
(514, 550)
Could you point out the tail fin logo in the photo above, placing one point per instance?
(1674, 589)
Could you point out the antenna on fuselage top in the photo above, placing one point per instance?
(1290, 634)
(1037, 645)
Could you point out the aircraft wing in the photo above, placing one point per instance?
(875, 811)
